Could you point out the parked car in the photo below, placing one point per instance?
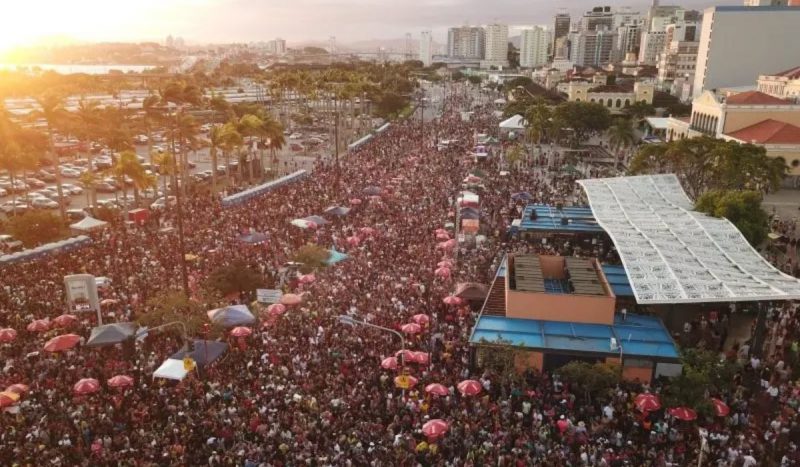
(295, 136)
(43, 203)
(9, 244)
(14, 205)
(140, 139)
(162, 202)
(105, 187)
(75, 215)
(68, 172)
(3, 192)
(46, 193)
(17, 187)
(46, 176)
(35, 183)
(71, 189)
(104, 162)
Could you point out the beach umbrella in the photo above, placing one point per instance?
(65, 320)
(435, 428)
(18, 388)
(412, 381)
(304, 224)
(276, 309)
(7, 335)
(469, 387)
(452, 300)
(39, 325)
(406, 356)
(437, 390)
(355, 202)
(647, 402)
(411, 328)
(442, 272)
(241, 331)
(109, 301)
(443, 236)
(231, 316)
(421, 319)
(61, 343)
(291, 299)
(389, 363)
(86, 386)
(720, 407)
(120, 381)
(353, 240)
(307, 278)
(421, 357)
(683, 413)
(8, 398)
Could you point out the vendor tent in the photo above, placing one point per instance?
(516, 122)
(44, 250)
(259, 190)
(171, 369)
(111, 334)
(318, 220)
(471, 291)
(337, 211)
(335, 257)
(89, 224)
(230, 316)
(203, 352)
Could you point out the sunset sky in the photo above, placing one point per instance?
(202, 21)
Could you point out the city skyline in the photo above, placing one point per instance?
(223, 21)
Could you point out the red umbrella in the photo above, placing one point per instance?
(452, 300)
(120, 381)
(86, 386)
(8, 398)
(389, 363)
(241, 331)
(276, 309)
(7, 335)
(353, 240)
(421, 319)
(291, 299)
(469, 387)
(307, 278)
(39, 325)
(442, 272)
(65, 320)
(407, 355)
(720, 408)
(18, 388)
(421, 357)
(61, 343)
(412, 381)
(647, 402)
(437, 390)
(355, 201)
(683, 413)
(435, 428)
(411, 328)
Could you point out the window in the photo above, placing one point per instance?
(796, 163)
(619, 103)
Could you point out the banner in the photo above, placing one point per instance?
(81, 293)
(268, 295)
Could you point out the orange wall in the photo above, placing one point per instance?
(738, 119)
(633, 374)
(560, 307)
(552, 266)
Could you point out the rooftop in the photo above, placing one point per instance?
(555, 275)
(673, 254)
(792, 73)
(637, 336)
(551, 219)
(612, 88)
(755, 98)
(768, 132)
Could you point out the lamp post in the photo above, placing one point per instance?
(350, 321)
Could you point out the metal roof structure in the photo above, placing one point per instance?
(549, 219)
(673, 254)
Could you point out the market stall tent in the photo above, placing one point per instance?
(89, 224)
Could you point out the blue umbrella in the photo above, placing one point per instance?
(337, 211)
(231, 316)
(253, 238)
(204, 352)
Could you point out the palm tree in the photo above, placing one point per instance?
(129, 167)
(167, 166)
(51, 109)
(250, 125)
(272, 131)
(89, 180)
(621, 134)
(88, 125)
(537, 118)
(150, 107)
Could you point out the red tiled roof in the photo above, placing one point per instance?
(612, 88)
(755, 98)
(768, 132)
(792, 73)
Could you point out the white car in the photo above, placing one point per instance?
(295, 136)
(44, 203)
(162, 202)
(9, 243)
(70, 173)
(141, 139)
(71, 189)
(3, 192)
(10, 206)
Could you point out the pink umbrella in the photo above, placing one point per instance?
(86, 386)
(412, 381)
(407, 355)
(647, 402)
(411, 328)
(241, 331)
(452, 300)
(721, 409)
(437, 390)
(435, 428)
(442, 272)
(61, 343)
(120, 381)
(307, 278)
(109, 301)
(355, 201)
(442, 236)
(276, 309)
(353, 240)
(683, 413)
(7, 335)
(291, 299)
(469, 387)
(65, 320)
(421, 357)
(389, 363)
(421, 319)
(39, 325)
(18, 388)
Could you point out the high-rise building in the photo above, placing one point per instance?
(560, 32)
(466, 42)
(533, 47)
(599, 17)
(652, 44)
(766, 2)
(408, 51)
(497, 44)
(280, 46)
(426, 48)
(628, 40)
(743, 42)
(332, 45)
(592, 48)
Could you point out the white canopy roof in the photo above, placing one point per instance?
(673, 254)
(171, 369)
(88, 224)
(516, 122)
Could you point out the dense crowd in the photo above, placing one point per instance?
(306, 390)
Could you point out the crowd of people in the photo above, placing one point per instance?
(306, 390)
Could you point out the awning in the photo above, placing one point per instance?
(89, 224)
(516, 122)
(203, 353)
(171, 369)
(230, 316)
(111, 334)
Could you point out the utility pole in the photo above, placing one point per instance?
(422, 121)
(179, 207)
(336, 140)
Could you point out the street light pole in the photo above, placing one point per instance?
(179, 207)
(350, 321)
(336, 139)
(422, 121)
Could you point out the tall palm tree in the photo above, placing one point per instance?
(89, 180)
(250, 125)
(537, 118)
(129, 167)
(51, 110)
(231, 140)
(621, 135)
(151, 113)
(88, 125)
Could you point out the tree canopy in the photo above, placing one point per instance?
(235, 278)
(36, 227)
(705, 163)
(742, 208)
(583, 118)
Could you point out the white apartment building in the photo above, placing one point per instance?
(466, 42)
(676, 66)
(496, 45)
(652, 45)
(426, 48)
(783, 85)
(533, 47)
(592, 48)
(737, 43)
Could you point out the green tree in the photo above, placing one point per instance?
(390, 104)
(311, 257)
(538, 120)
(128, 167)
(595, 378)
(621, 134)
(237, 277)
(51, 109)
(639, 110)
(583, 118)
(36, 227)
(742, 208)
(514, 156)
(705, 374)
(172, 305)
